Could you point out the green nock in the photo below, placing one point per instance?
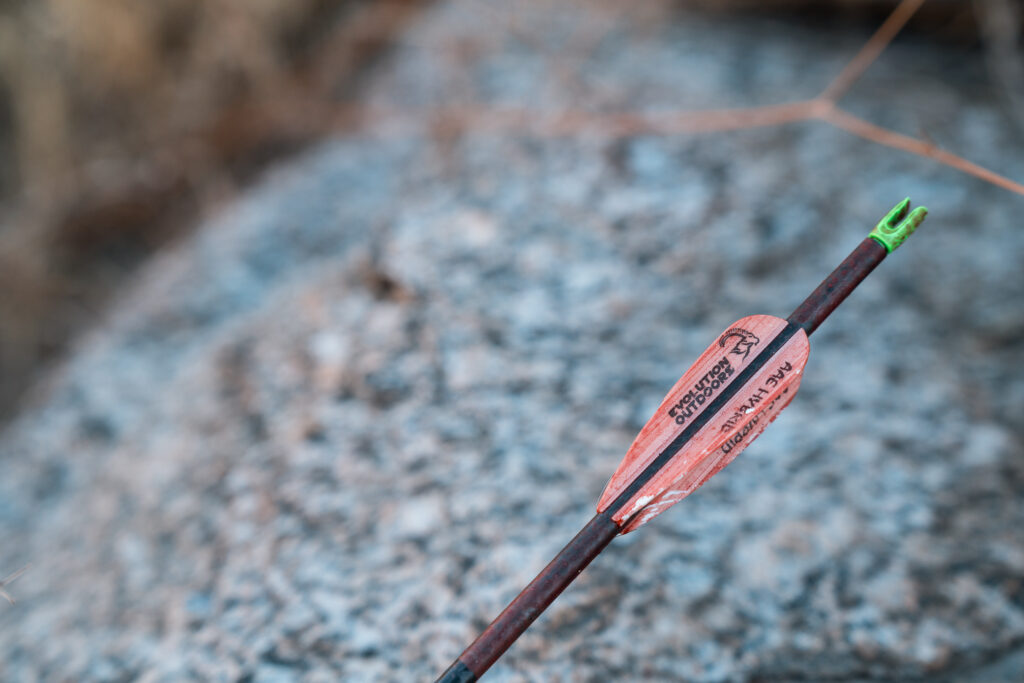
(897, 225)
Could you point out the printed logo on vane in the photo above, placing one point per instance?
(745, 341)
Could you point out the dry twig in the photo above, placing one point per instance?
(1000, 22)
(9, 579)
(824, 108)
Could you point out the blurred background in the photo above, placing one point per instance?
(121, 124)
(323, 324)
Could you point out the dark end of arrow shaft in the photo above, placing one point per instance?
(534, 599)
(837, 286)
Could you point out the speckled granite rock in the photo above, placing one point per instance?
(332, 434)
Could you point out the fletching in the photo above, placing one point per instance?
(723, 402)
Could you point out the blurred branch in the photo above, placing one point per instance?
(1001, 22)
(824, 108)
(883, 136)
(9, 579)
(852, 72)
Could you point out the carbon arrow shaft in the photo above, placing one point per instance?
(600, 530)
(534, 599)
(837, 286)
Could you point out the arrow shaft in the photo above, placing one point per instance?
(838, 285)
(600, 531)
(534, 599)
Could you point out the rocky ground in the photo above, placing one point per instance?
(333, 433)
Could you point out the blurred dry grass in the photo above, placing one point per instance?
(121, 121)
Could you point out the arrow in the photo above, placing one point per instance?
(723, 402)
